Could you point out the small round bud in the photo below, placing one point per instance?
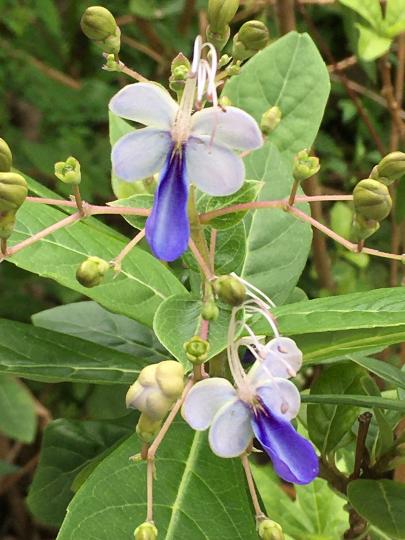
(91, 272)
(221, 13)
(251, 38)
(230, 290)
(372, 199)
(99, 25)
(219, 38)
(305, 166)
(180, 69)
(68, 171)
(13, 191)
(210, 311)
(147, 428)
(270, 120)
(270, 530)
(390, 168)
(6, 157)
(197, 350)
(363, 228)
(146, 531)
(224, 60)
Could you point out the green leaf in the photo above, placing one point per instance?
(43, 355)
(395, 13)
(316, 514)
(358, 401)
(247, 193)
(183, 313)
(17, 419)
(197, 495)
(382, 503)
(89, 321)
(370, 10)
(140, 200)
(275, 76)
(384, 370)
(371, 44)
(327, 424)
(67, 448)
(137, 291)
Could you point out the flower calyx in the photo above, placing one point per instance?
(305, 166)
(270, 530)
(197, 350)
(92, 271)
(68, 171)
(146, 531)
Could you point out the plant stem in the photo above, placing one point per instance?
(251, 485)
(205, 269)
(285, 16)
(78, 199)
(116, 262)
(4, 246)
(133, 74)
(364, 424)
(293, 194)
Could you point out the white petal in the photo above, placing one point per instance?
(146, 103)
(140, 154)
(214, 169)
(231, 431)
(204, 400)
(281, 396)
(284, 359)
(233, 127)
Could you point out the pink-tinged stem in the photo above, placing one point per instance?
(51, 202)
(251, 485)
(339, 239)
(213, 242)
(78, 199)
(133, 74)
(41, 234)
(116, 263)
(92, 209)
(200, 259)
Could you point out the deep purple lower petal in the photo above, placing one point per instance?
(167, 227)
(293, 457)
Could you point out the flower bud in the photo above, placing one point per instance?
(305, 166)
(7, 223)
(210, 311)
(270, 530)
(390, 168)
(221, 13)
(170, 378)
(180, 69)
(13, 191)
(224, 61)
(91, 272)
(270, 120)
(146, 531)
(251, 38)
(99, 25)
(6, 157)
(197, 350)
(68, 171)
(233, 69)
(220, 38)
(363, 228)
(372, 199)
(230, 290)
(147, 428)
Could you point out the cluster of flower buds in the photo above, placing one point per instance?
(154, 393)
(13, 191)
(68, 171)
(99, 25)
(305, 166)
(92, 271)
(220, 14)
(270, 120)
(252, 37)
(371, 197)
(146, 531)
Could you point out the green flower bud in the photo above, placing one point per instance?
(224, 60)
(363, 228)
(270, 120)
(170, 378)
(230, 290)
(233, 69)
(270, 530)
(372, 199)
(147, 428)
(13, 191)
(219, 38)
(6, 158)
(221, 13)
(305, 166)
(91, 272)
(180, 69)
(210, 311)
(251, 38)
(68, 171)
(197, 350)
(390, 168)
(7, 223)
(146, 531)
(99, 25)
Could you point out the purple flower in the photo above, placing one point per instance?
(184, 148)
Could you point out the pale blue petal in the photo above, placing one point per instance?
(231, 431)
(140, 154)
(214, 169)
(146, 103)
(281, 397)
(167, 228)
(230, 127)
(204, 400)
(284, 358)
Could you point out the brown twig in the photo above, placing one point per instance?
(285, 16)
(186, 16)
(364, 424)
